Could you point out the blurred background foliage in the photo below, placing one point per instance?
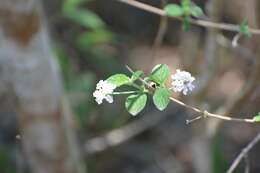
(93, 41)
(96, 39)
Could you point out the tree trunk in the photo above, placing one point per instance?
(29, 70)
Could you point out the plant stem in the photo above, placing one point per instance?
(136, 86)
(198, 22)
(125, 92)
(243, 153)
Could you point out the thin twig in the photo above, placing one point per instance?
(205, 114)
(199, 22)
(124, 92)
(243, 153)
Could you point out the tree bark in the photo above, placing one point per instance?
(30, 72)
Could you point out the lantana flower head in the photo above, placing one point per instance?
(182, 82)
(104, 89)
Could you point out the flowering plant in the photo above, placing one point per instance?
(154, 84)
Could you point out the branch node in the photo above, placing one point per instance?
(205, 114)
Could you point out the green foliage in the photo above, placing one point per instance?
(88, 19)
(186, 5)
(85, 17)
(153, 84)
(244, 29)
(135, 103)
(83, 82)
(79, 87)
(71, 4)
(196, 11)
(186, 10)
(186, 23)
(257, 117)
(136, 75)
(161, 98)
(90, 34)
(220, 164)
(119, 79)
(82, 103)
(173, 10)
(93, 38)
(6, 164)
(65, 65)
(160, 74)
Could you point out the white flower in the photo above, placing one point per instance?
(182, 82)
(104, 89)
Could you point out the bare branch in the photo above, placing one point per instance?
(202, 23)
(125, 133)
(244, 153)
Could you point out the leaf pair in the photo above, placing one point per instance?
(135, 103)
(161, 96)
(186, 9)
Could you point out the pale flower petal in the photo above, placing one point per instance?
(182, 82)
(109, 99)
(104, 89)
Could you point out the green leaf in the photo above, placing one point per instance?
(119, 79)
(135, 103)
(244, 29)
(257, 118)
(71, 4)
(173, 10)
(91, 38)
(85, 18)
(136, 75)
(196, 11)
(161, 98)
(160, 73)
(186, 5)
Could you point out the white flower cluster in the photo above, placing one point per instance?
(182, 82)
(104, 89)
